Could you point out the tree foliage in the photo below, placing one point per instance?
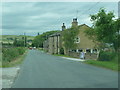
(105, 29)
(20, 42)
(68, 38)
(38, 40)
(116, 37)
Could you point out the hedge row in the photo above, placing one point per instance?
(108, 56)
(9, 54)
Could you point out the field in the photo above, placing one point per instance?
(10, 38)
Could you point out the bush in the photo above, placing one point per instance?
(106, 56)
(21, 50)
(9, 54)
(61, 51)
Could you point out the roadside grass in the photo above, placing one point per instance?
(15, 62)
(105, 64)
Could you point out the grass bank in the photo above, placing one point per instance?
(106, 60)
(105, 64)
(13, 56)
(15, 62)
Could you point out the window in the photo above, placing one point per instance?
(77, 40)
(88, 50)
(80, 50)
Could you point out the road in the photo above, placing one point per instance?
(41, 70)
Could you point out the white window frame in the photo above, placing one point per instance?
(77, 40)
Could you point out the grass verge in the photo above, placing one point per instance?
(15, 62)
(105, 64)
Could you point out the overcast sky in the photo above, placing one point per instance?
(34, 17)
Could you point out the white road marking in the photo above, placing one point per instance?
(18, 68)
(11, 82)
(73, 59)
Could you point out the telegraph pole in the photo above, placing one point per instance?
(24, 39)
(77, 14)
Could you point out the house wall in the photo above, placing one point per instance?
(87, 55)
(51, 45)
(45, 45)
(57, 44)
(85, 42)
(54, 44)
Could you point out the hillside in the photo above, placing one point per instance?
(10, 38)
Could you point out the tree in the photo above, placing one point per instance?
(15, 42)
(38, 40)
(104, 29)
(20, 42)
(116, 41)
(38, 33)
(68, 38)
(25, 41)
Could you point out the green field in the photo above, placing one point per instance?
(10, 38)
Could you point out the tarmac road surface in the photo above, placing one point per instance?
(41, 70)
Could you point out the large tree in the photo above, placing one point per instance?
(116, 37)
(105, 28)
(68, 38)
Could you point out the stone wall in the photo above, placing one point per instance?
(85, 41)
(88, 56)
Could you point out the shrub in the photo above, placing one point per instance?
(104, 56)
(108, 56)
(61, 51)
(9, 54)
(21, 50)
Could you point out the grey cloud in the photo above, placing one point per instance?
(46, 16)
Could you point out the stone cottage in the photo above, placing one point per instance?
(55, 43)
(83, 42)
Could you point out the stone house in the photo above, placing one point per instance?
(83, 42)
(55, 43)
